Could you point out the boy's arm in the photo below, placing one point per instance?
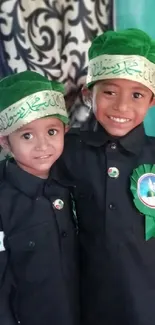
(6, 316)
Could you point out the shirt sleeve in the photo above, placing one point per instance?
(6, 315)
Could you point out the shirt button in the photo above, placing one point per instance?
(113, 146)
(112, 206)
(31, 244)
(64, 234)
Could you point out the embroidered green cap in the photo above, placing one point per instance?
(127, 54)
(27, 96)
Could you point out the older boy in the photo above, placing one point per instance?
(111, 169)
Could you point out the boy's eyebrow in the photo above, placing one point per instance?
(25, 128)
(140, 89)
(53, 125)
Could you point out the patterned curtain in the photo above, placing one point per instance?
(51, 37)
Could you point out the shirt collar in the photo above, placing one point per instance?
(31, 185)
(132, 142)
(27, 183)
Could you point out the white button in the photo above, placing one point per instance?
(113, 146)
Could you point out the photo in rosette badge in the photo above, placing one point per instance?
(143, 190)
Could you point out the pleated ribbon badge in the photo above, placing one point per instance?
(143, 190)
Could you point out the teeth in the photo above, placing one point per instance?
(43, 157)
(119, 120)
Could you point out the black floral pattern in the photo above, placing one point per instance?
(51, 36)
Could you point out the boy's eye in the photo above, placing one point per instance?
(52, 132)
(137, 95)
(27, 136)
(109, 92)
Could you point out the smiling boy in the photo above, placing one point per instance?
(132, 98)
(116, 226)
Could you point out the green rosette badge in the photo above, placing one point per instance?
(143, 190)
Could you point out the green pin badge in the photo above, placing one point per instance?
(143, 190)
(113, 172)
(58, 204)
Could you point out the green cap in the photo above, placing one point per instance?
(127, 54)
(27, 96)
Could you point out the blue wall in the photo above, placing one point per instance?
(139, 14)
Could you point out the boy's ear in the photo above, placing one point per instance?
(67, 128)
(4, 143)
(87, 96)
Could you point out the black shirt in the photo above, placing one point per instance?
(39, 266)
(117, 264)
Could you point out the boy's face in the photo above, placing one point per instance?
(120, 105)
(37, 145)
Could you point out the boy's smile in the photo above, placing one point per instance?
(119, 119)
(120, 105)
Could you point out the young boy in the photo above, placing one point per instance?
(111, 169)
(38, 249)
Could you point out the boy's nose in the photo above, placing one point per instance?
(122, 104)
(42, 143)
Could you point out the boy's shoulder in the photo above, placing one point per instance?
(76, 138)
(78, 143)
(72, 135)
(6, 187)
(151, 139)
(150, 143)
(147, 152)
